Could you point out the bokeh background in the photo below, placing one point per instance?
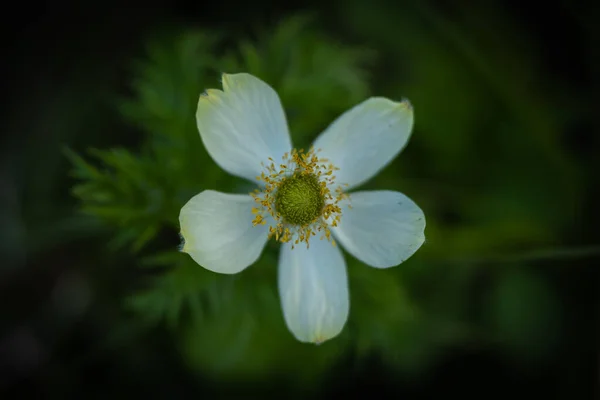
(100, 151)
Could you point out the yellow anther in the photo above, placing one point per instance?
(298, 163)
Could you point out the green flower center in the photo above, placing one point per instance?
(299, 199)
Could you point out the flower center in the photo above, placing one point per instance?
(299, 200)
(300, 197)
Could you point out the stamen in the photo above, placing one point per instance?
(298, 198)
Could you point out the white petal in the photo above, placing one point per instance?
(218, 233)
(313, 287)
(243, 125)
(382, 229)
(366, 138)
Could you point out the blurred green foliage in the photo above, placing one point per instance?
(468, 165)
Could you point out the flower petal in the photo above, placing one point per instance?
(218, 233)
(366, 138)
(382, 229)
(243, 125)
(313, 287)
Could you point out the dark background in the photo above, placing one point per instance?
(61, 61)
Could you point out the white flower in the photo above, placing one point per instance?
(302, 201)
